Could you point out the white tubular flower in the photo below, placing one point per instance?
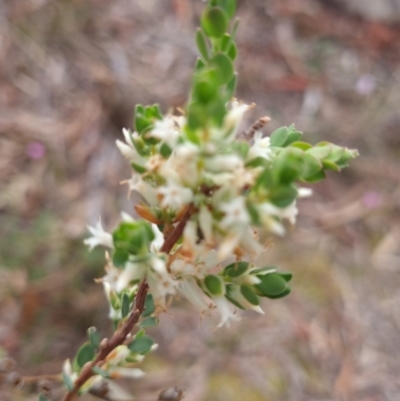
(175, 196)
(118, 355)
(260, 148)
(128, 149)
(198, 264)
(223, 163)
(99, 237)
(136, 183)
(234, 117)
(236, 295)
(67, 370)
(166, 130)
(235, 213)
(160, 281)
(158, 241)
(113, 314)
(225, 311)
(206, 223)
(132, 373)
(127, 218)
(304, 192)
(191, 291)
(132, 271)
(289, 212)
(182, 165)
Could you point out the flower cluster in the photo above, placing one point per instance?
(228, 194)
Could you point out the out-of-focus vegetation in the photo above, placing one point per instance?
(70, 75)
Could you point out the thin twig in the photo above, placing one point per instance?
(120, 335)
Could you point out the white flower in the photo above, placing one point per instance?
(127, 218)
(160, 281)
(237, 296)
(132, 373)
(181, 167)
(234, 117)
(99, 237)
(235, 213)
(260, 148)
(118, 355)
(223, 163)
(191, 291)
(158, 241)
(132, 271)
(175, 196)
(136, 183)
(128, 149)
(197, 263)
(304, 192)
(289, 212)
(166, 130)
(206, 223)
(224, 309)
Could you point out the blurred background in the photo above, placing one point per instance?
(71, 72)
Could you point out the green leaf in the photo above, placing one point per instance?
(248, 293)
(229, 296)
(101, 372)
(316, 177)
(288, 165)
(229, 7)
(301, 145)
(125, 306)
(141, 345)
(311, 166)
(286, 275)
(279, 137)
(293, 136)
(283, 196)
(264, 270)
(149, 322)
(138, 168)
(165, 150)
(226, 42)
(232, 52)
(42, 397)
(281, 295)
(202, 44)
(231, 87)
(254, 214)
(120, 257)
(236, 269)
(328, 165)
(272, 284)
(133, 237)
(223, 67)
(94, 337)
(149, 306)
(214, 22)
(235, 28)
(214, 284)
(319, 152)
(204, 89)
(86, 353)
(199, 64)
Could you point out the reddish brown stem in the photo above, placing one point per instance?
(120, 335)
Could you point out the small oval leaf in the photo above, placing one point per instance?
(86, 353)
(141, 345)
(214, 22)
(249, 294)
(214, 285)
